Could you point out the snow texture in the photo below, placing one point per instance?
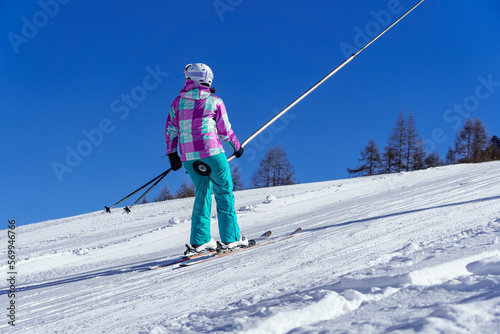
(400, 253)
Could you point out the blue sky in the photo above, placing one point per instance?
(85, 86)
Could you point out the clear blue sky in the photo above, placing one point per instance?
(97, 78)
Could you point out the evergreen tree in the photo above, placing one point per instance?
(274, 169)
(144, 200)
(236, 176)
(185, 190)
(371, 163)
(164, 194)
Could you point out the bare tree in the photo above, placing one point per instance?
(479, 141)
(463, 141)
(274, 169)
(415, 150)
(370, 161)
(493, 150)
(389, 159)
(236, 176)
(164, 194)
(185, 190)
(418, 156)
(433, 160)
(396, 143)
(495, 141)
(472, 141)
(451, 156)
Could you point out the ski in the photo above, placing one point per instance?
(208, 254)
(180, 260)
(250, 245)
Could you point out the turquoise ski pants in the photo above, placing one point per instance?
(222, 185)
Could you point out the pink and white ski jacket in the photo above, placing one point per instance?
(197, 122)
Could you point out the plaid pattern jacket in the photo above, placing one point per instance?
(197, 122)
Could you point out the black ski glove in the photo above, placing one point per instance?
(175, 161)
(239, 153)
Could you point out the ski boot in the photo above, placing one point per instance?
(231, 246)
(193, 250)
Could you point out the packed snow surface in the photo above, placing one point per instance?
(399, 253)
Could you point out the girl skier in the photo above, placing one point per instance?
(197, 122)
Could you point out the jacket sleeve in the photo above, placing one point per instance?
(172, 130)
(224, 127)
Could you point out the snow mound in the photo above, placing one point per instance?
(157, 330)
(81, 251)
(278, 315)
(328, 306)
(487, 266)
(174, 221)
(245, 208)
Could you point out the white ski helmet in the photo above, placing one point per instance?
(200, 73)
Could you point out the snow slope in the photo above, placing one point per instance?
(400, 253)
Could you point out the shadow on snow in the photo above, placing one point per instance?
(364, 220)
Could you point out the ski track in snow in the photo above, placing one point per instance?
(400, 253)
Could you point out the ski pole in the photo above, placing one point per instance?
(316, 85)
(108, 209)
(127, 208)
